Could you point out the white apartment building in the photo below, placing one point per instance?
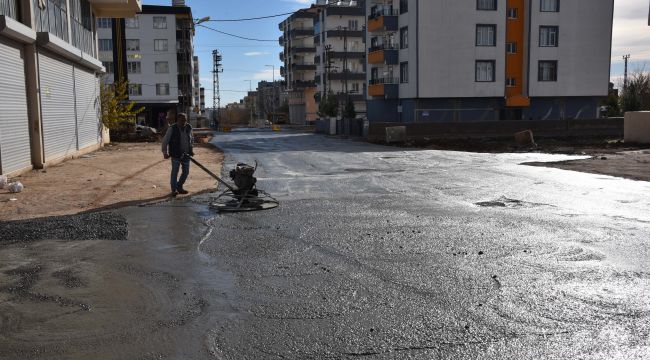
(440, 60)
(154, 52)
(340, 36)
(49, 79)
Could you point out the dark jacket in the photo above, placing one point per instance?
(173, 140)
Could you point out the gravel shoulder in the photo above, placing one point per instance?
(118, 175)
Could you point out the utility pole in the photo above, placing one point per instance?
(626, 58)
(328, 66)
(216, 93)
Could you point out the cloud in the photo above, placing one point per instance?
(267, 75)
(256, 53)
(631, 32)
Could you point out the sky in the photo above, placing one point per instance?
(246, 60)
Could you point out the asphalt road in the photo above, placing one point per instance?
(375, 252)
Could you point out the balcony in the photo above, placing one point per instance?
(383, 20)
(383, 54)
(281, 40)
(348, 55)
(343, 33)
(303, 84)
(116, 8)
(281, 55)
(345, 11)
(301, 32)
(347, 75)
(82, 37)
(303, 66)
(388, 88)
(52, 19)
(301, 49)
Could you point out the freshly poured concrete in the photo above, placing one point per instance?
(375, 252)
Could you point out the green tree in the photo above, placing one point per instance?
(329, 106)
(349, 111)
(117, 111)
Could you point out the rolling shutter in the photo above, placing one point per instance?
(14, 124)
(88, 106)
(57, 106)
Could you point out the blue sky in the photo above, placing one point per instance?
(246, 60)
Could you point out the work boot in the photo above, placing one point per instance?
(174, 193)
(182, 191)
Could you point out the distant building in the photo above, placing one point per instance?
(271, 96)
(299, 69)
(340, 37)
(441, 60)
(154, 52)
(50, 107)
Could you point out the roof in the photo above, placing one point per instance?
(167, 10)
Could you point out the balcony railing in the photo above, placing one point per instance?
(377, 13)
(380, 47)
(9, 8)
(52, 18)
(82, 38)
(386, 80)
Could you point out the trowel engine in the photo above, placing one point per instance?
(242, 176)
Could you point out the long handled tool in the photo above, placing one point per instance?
(244, 196)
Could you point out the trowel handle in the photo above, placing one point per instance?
(209, 172)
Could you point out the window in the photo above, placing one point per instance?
(404, 73)
(548, 70)
(513, 13)
(110, 69)
(160, 45)
(105, 44)
(135, 89)
(104, 23)
(162, 67)
(485, 70)
(511, 48)
(132, 44)
(353, 24)
(511, 82)
(162, 89)
(548, 36)
(134, 67)
(486, 35)
(132, 23)
(159, 22)
(550, 6)
(486, 4)
(403, 6)
(404, 37)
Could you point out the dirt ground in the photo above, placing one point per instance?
(117, 175)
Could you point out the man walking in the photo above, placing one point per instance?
(176, 144)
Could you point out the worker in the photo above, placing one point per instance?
(177, 144)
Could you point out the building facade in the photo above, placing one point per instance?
(439, 60)
(271, 97)
(154, 52)
(340, 38)
(299, 69)
(49, 79)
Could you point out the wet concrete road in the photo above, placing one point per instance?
(375, 252)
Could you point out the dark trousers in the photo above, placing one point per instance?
(177, 182)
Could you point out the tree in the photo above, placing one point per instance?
(349, 111)
(636, 97)
(117, 110)
(329, 106)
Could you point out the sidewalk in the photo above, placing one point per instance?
(118, 175)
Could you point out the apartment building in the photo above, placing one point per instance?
(299, 69)
(340, 39)
(439, 60)
(154, 52)
(49, 79)
(271, 96)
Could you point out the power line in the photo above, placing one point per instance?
(250, 19)
(237, 36)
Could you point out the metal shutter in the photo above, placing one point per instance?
(87, 101)
(57, 106)
(14, 124)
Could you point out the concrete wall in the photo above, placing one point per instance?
(501, 129)
(637, 127)
(584, 49)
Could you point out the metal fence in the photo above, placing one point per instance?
(9, 8)
(52, 18)
(82, 38)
